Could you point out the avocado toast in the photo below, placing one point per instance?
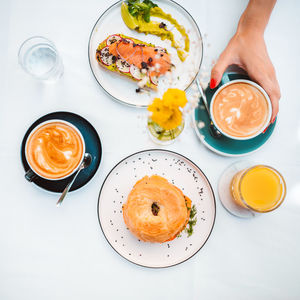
(139, 61)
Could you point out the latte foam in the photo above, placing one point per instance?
(240, 110)
(54, 150)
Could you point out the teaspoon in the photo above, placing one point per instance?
(214, 132)
(85, 163)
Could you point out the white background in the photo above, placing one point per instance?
(61, 253)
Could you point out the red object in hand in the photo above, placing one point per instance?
(213, 83)
(265, 129)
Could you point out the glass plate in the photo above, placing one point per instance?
(179, 171)
(122, 88)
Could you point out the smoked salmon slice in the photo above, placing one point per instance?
(140, 61)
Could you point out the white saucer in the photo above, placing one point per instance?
(224, 192)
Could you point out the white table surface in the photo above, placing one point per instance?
(50, 253)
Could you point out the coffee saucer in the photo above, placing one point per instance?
(224, 145)
(92, 143)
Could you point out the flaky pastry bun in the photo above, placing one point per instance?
(156, 211)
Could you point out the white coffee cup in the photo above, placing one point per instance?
(268, 119)
(31, 174)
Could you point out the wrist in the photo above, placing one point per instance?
(249, 33)
(250, 29)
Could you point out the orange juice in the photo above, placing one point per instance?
(260, 188)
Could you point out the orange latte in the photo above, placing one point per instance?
(240, 110)
(54, 150)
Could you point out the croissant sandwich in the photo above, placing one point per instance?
(156, 211)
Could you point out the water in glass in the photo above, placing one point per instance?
(39, 57)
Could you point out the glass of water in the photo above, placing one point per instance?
(39, 57)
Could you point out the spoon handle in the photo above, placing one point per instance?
(203, 96)
(67, 188)
(214, 132)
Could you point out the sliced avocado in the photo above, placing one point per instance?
(129, 20)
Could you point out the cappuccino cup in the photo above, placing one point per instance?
(241, 109)
(54, 150)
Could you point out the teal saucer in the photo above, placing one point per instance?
(226, 146)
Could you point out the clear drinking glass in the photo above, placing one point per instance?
(269, 185)
(247, 189)
(39, 57)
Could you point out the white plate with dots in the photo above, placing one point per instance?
(179, 171)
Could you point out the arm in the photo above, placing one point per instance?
(247, 49)
(256, 16)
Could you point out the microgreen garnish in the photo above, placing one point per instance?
(138, 8)
(192, 221)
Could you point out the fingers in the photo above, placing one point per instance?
(219, 68)
(273, 91)
(274, 97)
(267, 80)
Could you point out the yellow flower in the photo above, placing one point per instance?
(160, 112)
(156, 105)
(173, 121)
(165, 111)
(175, 97)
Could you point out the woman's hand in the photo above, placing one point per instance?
(247, 49)
(250, 53)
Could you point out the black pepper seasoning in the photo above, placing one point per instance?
(162, 25)
(144, 65)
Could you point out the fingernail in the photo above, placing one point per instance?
(213, 83)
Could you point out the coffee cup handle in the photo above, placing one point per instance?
(233, 69)
(225, 78)
(30, 175)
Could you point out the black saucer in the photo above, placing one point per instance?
(92, 145)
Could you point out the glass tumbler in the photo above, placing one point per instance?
(39, 57)
(259, 188)
(247, 190)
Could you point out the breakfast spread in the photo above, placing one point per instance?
(139, 61)
(137, 16)
(54, 150)
(240, 110)
(156, 211)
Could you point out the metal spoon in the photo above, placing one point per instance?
(85, 163)
(214, 132)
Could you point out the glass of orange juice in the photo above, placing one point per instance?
(251, 189)
(259, 188)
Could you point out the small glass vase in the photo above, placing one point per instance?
(162, 136)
